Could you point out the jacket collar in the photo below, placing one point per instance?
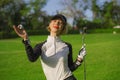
(52, 39)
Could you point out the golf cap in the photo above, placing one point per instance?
(61, 17)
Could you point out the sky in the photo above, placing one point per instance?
(53, 6)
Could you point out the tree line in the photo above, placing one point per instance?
(105, 15)
(30, 14)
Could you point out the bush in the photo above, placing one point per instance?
(103, 30)
(6, 35)
(73, 32)
(12, 34)
(37, 32)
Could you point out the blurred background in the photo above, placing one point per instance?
(95, 15)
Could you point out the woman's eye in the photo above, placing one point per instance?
(54, 20)
(60, 23)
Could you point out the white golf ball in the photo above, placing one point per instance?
(20, 26)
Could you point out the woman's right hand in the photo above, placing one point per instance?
(20, 32)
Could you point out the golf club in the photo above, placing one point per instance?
(83, 44)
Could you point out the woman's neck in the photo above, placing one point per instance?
(53, 34)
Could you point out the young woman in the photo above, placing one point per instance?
(56, 55)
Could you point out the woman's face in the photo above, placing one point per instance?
(56, 26)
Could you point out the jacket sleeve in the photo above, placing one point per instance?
(32, 53)
(72, 65)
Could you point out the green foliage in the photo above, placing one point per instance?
(103, 31)
(116, 13)
(4, 2)
(38, 32)
(108, 13)
(73, 32)
(96, 24)
(14, 12)
(12, 34)
(6, 35)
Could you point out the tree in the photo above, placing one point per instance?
(116, 13)
(111, 14)
(106, 14)
(75, 9)
(14, 12)
(95, 9)
(8, 10)
(18, 11)
(34, 13)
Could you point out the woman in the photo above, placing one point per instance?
(56, 55)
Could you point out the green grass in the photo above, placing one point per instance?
(102, 60)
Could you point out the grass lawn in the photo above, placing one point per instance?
(102, 60)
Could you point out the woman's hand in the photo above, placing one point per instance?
(20, 32)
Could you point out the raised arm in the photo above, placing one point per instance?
(21, 32)
(32, 53)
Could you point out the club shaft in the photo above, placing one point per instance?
(83, 44)
(84, 69)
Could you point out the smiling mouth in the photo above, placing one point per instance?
(57, 27)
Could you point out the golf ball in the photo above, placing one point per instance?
(20, 26)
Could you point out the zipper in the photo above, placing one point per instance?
(55, 45)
